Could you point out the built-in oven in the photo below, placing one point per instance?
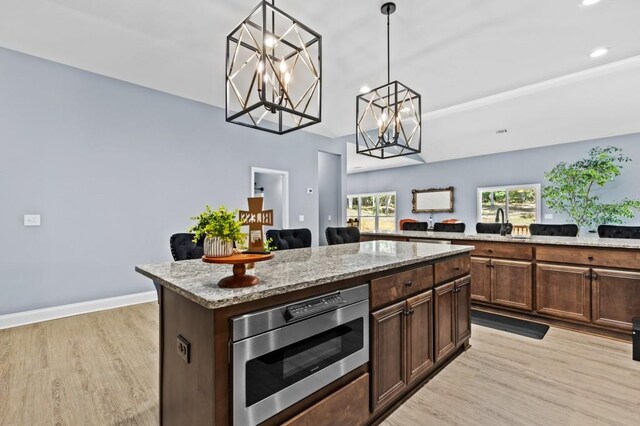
(284, 354)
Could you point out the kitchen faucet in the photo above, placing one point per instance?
(505, 228)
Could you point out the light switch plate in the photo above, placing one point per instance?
(301, 218)
(548, 216)
(329, 218)
(31, 220)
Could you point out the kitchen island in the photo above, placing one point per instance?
(584, 283)
(402, 313)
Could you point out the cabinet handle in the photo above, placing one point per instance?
(594, 276)
(488, 265)
(456, 268)
(590, 257)
(408, 283)
(489, 251)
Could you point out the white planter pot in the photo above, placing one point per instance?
(215, 247)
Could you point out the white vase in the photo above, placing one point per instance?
(216, 247)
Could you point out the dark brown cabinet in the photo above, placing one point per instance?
(481, 283)
(511, 283)
(609, 287)
(452, 316)
(462, 293)
(502, 282)
(564, 291)
(445, 326)
(388, 353)
(402, 347)
(419, 335)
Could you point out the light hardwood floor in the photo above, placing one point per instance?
(94, 369)
(102, 369)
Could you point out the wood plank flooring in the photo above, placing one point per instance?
(94, 369)
(568, 378)
(102, 369)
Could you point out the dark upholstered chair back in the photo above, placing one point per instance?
(449, 227)
(415, 226)
(617, 231)
(285, 239)
(488, 228)
(566, 230)
(342, 235)
(183, 247)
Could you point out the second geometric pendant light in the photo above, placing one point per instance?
(388, 118)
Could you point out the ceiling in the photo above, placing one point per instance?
(479, 65)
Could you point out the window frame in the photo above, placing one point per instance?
(536, 186)
(376, 200)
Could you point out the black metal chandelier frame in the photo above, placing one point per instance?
(393, 139)
(263, 56)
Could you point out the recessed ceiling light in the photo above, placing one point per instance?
(589, 2)
(600, 51)
(365, 89)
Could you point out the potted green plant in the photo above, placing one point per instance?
(573, 189)
(220, 229)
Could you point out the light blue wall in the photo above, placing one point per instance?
(517, 167)
(114, 169)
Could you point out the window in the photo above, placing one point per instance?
(375, 212)
(521, 203)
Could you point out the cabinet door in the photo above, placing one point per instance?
(481, 279)
(419, 335)
(463, 309)
(445, 320)
(615, 297)
(388, 353)
(564, 291)
(511, 284)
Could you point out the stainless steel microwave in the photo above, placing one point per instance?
(284, 354)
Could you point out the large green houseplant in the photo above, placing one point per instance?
(574, 187)
(220, 229)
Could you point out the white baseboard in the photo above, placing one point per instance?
(39, 315)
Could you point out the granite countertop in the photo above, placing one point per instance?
(292, 270)
(588, 241)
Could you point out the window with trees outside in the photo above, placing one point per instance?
(375, 212)
(521, 203)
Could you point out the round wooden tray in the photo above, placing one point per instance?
(239, 261)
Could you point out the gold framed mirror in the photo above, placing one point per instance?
(433, 200)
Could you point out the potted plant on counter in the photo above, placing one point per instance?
(220, 229)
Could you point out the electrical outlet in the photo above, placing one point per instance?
(329, 218)
(548, 216)
(301, 218)
(184, 349)
(31, 220)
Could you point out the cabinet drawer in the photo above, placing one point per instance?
(506, 250)
(347, 406)
(394, 287)
(590, 256)
(453, 268)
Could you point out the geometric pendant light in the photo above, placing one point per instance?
(388, 118)
(273, 72)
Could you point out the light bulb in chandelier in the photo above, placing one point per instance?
(269, 41)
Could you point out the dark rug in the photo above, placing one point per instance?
(535, 330)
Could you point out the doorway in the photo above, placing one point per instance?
(329, 192)
(273, 186)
